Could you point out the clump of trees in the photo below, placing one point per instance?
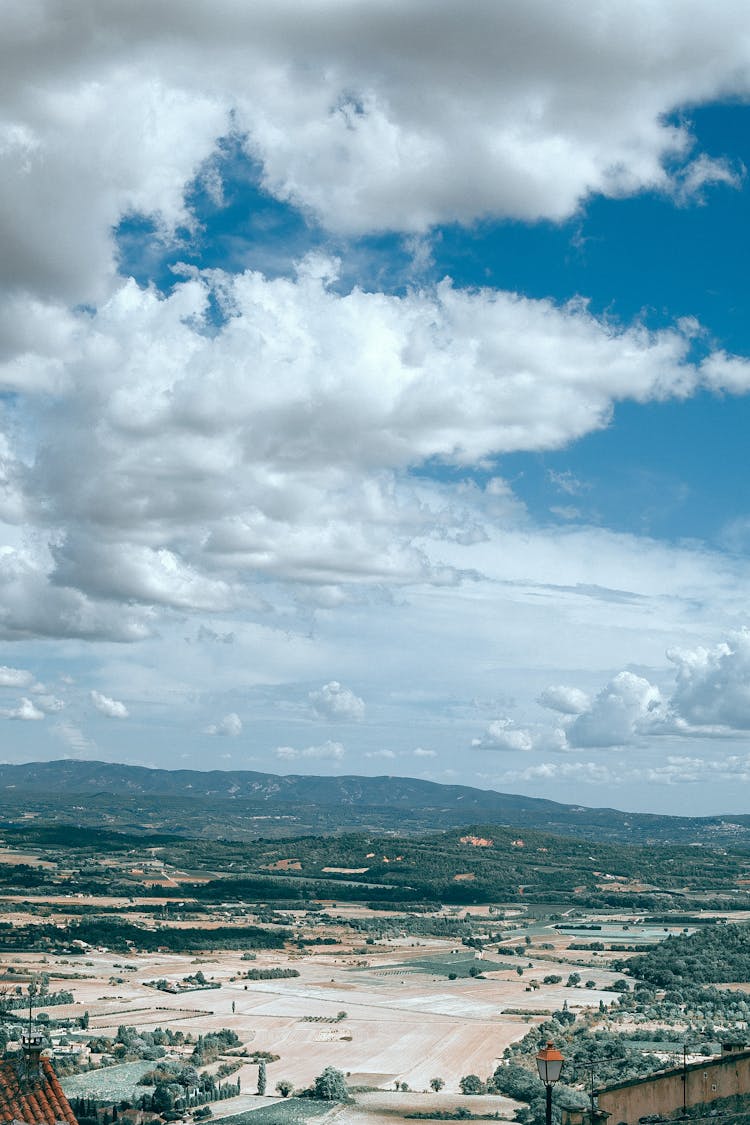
(177, 1086)
(270, 974)
(208, 1047)
(472, 1084)
(330, 1086)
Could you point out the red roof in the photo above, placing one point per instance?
(36, 1100)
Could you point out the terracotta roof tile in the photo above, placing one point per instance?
(37, 1100)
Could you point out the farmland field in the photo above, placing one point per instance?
(393, 994)
(383, 1014)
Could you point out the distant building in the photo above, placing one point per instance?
(30, 1092)
(666, 1093)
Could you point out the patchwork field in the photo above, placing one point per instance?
(385, 1015)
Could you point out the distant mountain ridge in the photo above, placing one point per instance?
(76, 776)
(248, 802)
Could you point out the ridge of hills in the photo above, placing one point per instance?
(248, 804)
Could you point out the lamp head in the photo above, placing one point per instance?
(549, 1063)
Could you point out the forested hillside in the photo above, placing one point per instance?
(243, 804)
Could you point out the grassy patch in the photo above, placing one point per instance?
(118, 1082)
(459, 963)
(291, 1111)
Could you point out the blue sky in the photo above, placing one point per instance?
(385, 410)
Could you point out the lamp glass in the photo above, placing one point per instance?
(549, 1064)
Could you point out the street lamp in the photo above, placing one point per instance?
(549, 1063)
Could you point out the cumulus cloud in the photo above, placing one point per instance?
(713, 684)
(503, 734)
(230, 726)
(507, 735)
(710, 698)
(389, 755)
(258, 448)
(25, 712)
(33, 605)
(328, 751)
(15, 677)
(566, 700)
(333, 701)
(509, 113)
(627, 708)
(420, 752)
(112, 708)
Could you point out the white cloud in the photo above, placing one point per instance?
(50, 704)
(673, 770)
(74, 738)
(508, 113)
(112, 708)
(503, 734)
(333, 701)
(511, 112)
(230, 726)
(25, 712)
(389, 755)
(710, 699)
(703, 172)
(422, 753)
(15, 677)
(32, 605)
(623, 711)
(566, 700)
(509, 736)
(598, 773)
(566, 482)
(328, 751)
(265, 451)
(713, 684)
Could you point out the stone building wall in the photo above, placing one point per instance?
(662, 1095)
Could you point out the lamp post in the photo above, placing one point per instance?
(549, 1063)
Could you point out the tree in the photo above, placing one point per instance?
(331, 1086)
(262, 1077)
(573, 980)
(188, 1076)
(472, 1084)
(437, 1084)
(162, 1100)
(284, 1087)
